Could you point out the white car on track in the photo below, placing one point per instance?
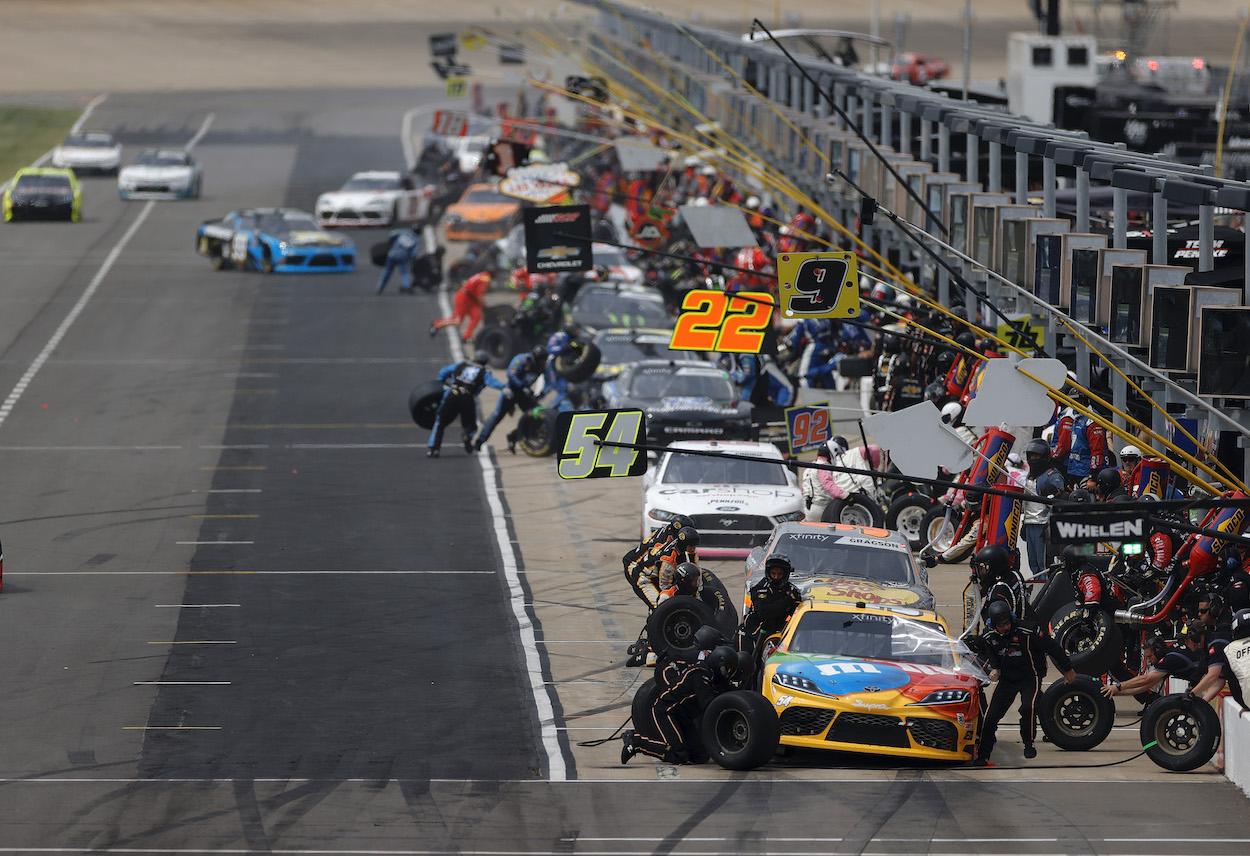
(160, 174)
(735, 503)
(374, 198)
(89, 151)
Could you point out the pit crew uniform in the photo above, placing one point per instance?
(678, 710)
(650, 566)
(1019, 655)
(467, 378)
(523, 371)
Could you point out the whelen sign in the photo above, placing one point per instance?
(1087, 528)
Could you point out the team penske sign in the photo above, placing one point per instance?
(557, 239)
(1086, 528)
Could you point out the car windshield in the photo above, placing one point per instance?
(610, 257)
(617, 348)
(879, 637)
(285, 222)
(703, 469)
(611, 308)
(485, 196)
(162, 158)
(845, 554)
(372, 182)
(89, 141)
(42, 182)
(660, 382)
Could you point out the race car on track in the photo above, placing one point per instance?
(375, 198)
(621, 346)
(160, 174)
(43, 193)
(880, 680)
(839, 561)
(481, 214)
(89, 151)
(274, 240)
(682, 400)
(617, 305)
(734, 503)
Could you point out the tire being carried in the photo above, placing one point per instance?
(1094, 644)
(1076, 717)
(671, 627)
(423, 403)
(741, 730)
(1180, 732)
(579, 362)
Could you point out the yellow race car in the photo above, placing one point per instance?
(882, 680)
(43, 193)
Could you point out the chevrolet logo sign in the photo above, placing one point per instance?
(559, 253)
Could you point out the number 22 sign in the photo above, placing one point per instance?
(719, 321)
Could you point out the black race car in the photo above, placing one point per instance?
(682, 400)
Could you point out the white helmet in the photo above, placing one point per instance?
(1131, 451)
(951, 411)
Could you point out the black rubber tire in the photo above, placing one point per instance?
(1076, 717)
(423, 403)
(671, 627)
(265, 265)
(1094, 646)
(377, 253)
(1181, 731)
(931, 523)
(643, 703)
(741, 730)
(217, 261)
(906, 515)
(856, 509)
(580, 363)
(1056, 592)
(500, 343)
(536, 434)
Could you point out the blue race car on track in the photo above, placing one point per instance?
(274, 240)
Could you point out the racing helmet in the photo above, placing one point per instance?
(1036, 451)
(723, 661)
(707, 637)
(1241, 624)
(999, 612)
(838, 445)
(1071, 557)
(992, 560)
(781, 562)
(1108, 479)
(1130, 451)
(558, 343)
(482, 356)
(688, 536)
(688, 578)
(951, 411)
(967, 339)
(1080, 495)
(891, 344)
(540, 355)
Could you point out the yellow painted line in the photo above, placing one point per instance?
(171, 728)
(220, 516)
(262, 467)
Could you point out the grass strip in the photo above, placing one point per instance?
(27, 133)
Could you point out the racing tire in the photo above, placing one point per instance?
(1055, 593)
(265, 265)
(216, 259)
(671, 627)
(856, 510)
(906, 515)
(536, 433)
(500, 343)
(741, 730)
(377, 253)
(423, 403)
(1181, 732)
(579, 364)
(1076, 717)
(932, 524)
(642, 705)
(1094, 646)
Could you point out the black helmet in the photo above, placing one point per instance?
(1108, 479)
(1080, 495)
(779, 562)
(688, 578)
(1241, 624)
(841, 442)
(707, 637)
(998, 612)
(539, 353)
(967, 339)
(688, 536)
(723, 661)
(1072, 557)
(681, 521)
(992, 560)
(482, 357)
(1036, 449)
(891, 344)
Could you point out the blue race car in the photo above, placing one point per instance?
(274, 240)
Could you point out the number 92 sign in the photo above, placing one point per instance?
(579, 455)
(808, 426)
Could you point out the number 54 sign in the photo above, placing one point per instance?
(577, 435)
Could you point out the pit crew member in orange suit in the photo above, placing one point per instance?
(469, 300)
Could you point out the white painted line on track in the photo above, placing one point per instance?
(239, 572)
(196, 605)
(195, 543)
(90, 448)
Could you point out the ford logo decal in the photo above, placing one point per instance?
(727, 508)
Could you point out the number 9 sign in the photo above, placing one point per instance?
(579, 455)
(818, 285)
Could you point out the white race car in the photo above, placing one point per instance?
(89, 151)
(375, 198)
(734, 503)
(160, 174)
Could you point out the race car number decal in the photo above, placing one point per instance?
(579, 454)
(238, 247)
(717, 321)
